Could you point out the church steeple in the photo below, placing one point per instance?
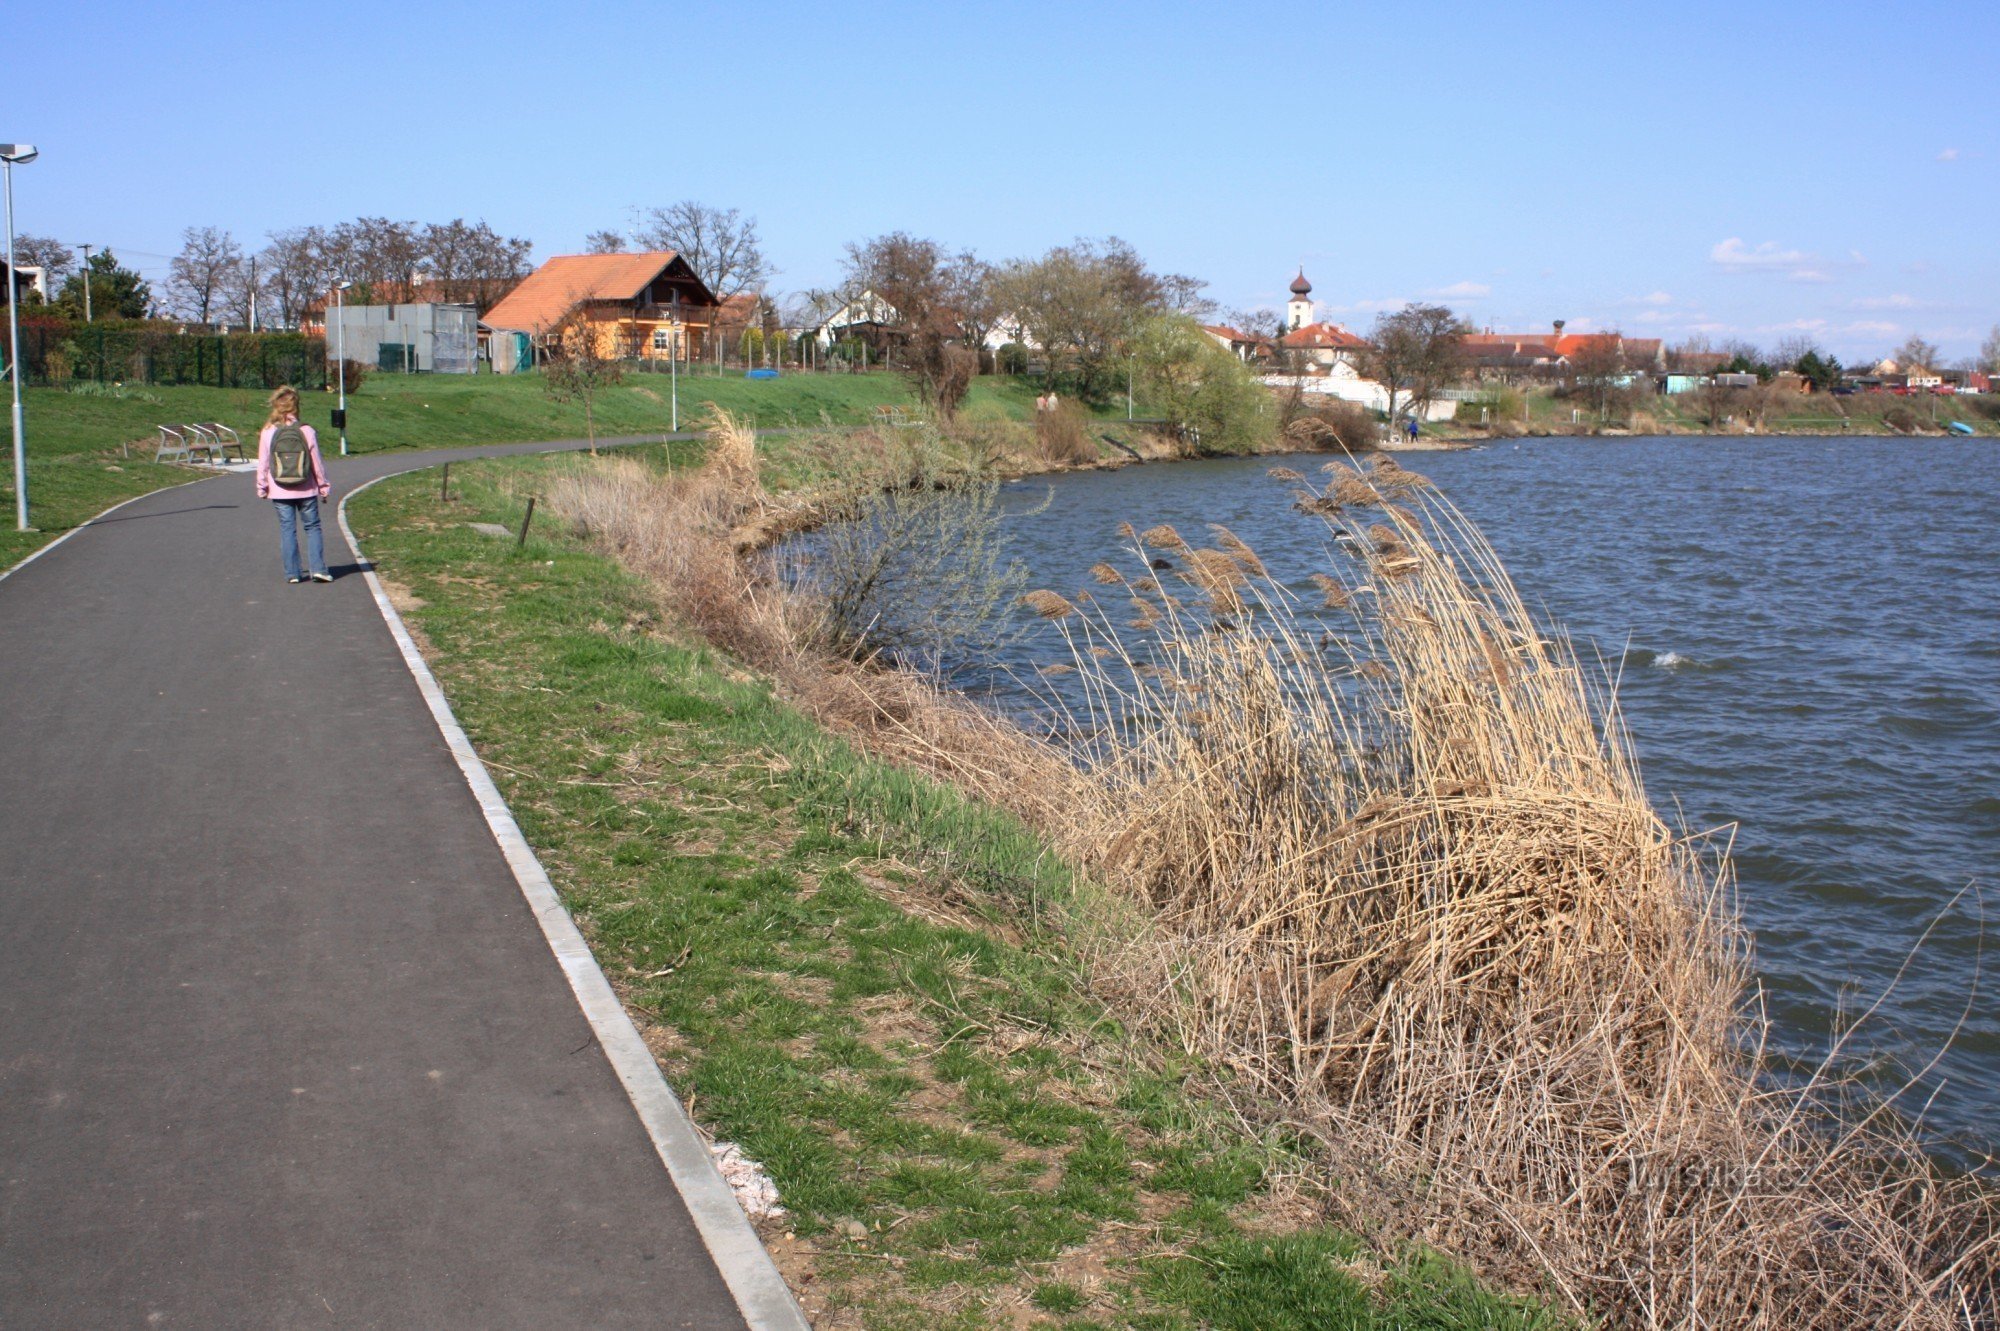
(1299, 309)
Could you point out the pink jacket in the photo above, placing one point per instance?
(269, 489)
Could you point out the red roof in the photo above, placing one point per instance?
(1228, 334)
(1316, 337)
(569, 280)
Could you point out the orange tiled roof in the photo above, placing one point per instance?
(1314, 337)
(566, 281)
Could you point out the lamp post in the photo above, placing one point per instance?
(340, 363)
(12, 155)
(674, 361)
(86, 279)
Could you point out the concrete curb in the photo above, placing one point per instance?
(760, 1292)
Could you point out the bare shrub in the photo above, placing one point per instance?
(1329, 424)
(918, 573)
(356, 373)
(1062, 436)
(1410, 885)
(1900, 419)
(694, 536)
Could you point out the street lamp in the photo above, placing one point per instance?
(340, 364)
(12, 155)
(86, 279)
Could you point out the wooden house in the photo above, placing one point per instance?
(648, 306)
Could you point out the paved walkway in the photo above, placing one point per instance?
(280, 1043)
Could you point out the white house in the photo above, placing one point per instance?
(867, 312)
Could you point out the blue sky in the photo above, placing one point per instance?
(1744, 170)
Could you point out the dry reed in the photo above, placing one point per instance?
(1407, 885)
(1410, 885)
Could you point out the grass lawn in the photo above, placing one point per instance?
(77, 465)
(863, 978)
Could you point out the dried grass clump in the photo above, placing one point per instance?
(1410, 884)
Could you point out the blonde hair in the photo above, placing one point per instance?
(284, 403)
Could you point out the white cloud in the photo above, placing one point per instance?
(1656, 298)
(1873, 327)
(1464, 291)
(1898, 301)
(1734, 255)
(1807, 275)
(1369, 306)
(1948, 155)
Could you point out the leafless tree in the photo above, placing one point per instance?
(578, 368)
(472, 262)
(1600, 372)
(1418, 350)
(1989, 352)
(930, 289)
(604, 242)
(1793, 349)
(201, 273)
(293, 272)
(1916, 354)
(1692, 355)
(720, 244)
(55, 259)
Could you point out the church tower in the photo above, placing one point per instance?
(1299, 309)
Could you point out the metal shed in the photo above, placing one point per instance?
(442, 339)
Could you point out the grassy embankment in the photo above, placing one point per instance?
(875, 985)
(1814, 414)
(79, 463)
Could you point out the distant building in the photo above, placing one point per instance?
(1515, 356)
(29, 280)
(867, 317)
(1250, 348)
(1312, 347)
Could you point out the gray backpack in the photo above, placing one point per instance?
(291, 460)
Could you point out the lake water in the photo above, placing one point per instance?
(1809, 631)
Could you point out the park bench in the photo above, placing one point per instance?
(894, 415)
(222, 440)
(211, 439)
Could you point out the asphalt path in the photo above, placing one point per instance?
(281, 1044)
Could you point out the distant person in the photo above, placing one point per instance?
(1413, 429)
(291, 475)
(1041, 403)
(1053, 402)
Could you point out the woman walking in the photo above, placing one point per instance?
(290, 474)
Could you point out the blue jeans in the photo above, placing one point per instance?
(307, 510)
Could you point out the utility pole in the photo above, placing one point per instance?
(86, 280)
(253, 293)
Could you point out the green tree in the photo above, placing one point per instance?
(115, 292)
(1207, 394)
(1821, 371)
